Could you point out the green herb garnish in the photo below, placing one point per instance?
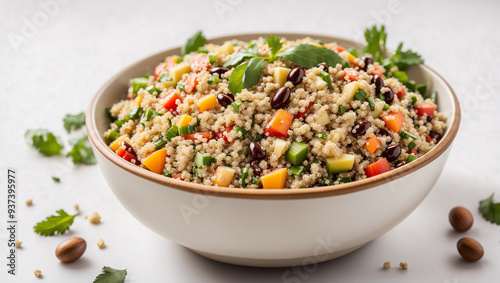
(490, 210)
(55, 224)
(193, 43)
(213, 80)
(44, 141)
(74, 122)
(56, 179)
(341, 109)
(110, 275)
(81, 153)
(321, 135)
(412, 102)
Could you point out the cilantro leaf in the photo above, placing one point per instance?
(44, 141)
(193, 43)
(74, 122)
(308, 56)
(236, 78)
(404, 59)
(82, 154)
(253, 71)
(55, 224)
(490, 210)
(275, 46)
(111, 275)
(375, 40)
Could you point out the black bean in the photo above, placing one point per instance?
(225, 99)
(325, 66)
(218, 70)
(384, 132)
(435, 136)
(281, 98)
(389, 96)
(295, 76)
(430, 118)
(360, 128)
(256, 151)
(379, 83)
(399, 164)
(392, 152)
(256, 168)
(367, 61)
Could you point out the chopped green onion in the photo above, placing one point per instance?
(139, 83)
(381, 97)
(202, 159)
(344, 180)
(169, 122)
(386, 107)
(410, 158)
(297, 170)
(360, 94)
(412, 102)
(406, 135)
(152, 89)
(147, 115)
(236, 105)
(341, 109)
(166, 173)
(326, 182)
(179, 60)
(119, 123)
(297, 153)
(244, 175)
(258, 138)
(371, 103)
(255, 181)
(315, 160)
(326, 77)
(165, 78)
(246, 152)
(112, 136)
(212, 59)
(321, 135)
(186, 130)
(253, 121)
(226, 164)
(181, 86)
(242, 130)
(202, 49)
(172, 132)
(356, 110)
(134, 113)
(197, 174)
(412, 145)
(110, 116)
(213, 80)
(160, 143)
(354, 52)
(158, 113)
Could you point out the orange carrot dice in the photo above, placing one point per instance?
(372, 144)
(394, 121)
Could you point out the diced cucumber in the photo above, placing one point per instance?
(172, 132)
(147, 115)
(244, 176)
(152, 89)
(139, 83)
(360, 94)
(135, 112)
(336, 165)
(297, 153)
(202, 159)
(297, 170)
(160, 143)
(243, 132)
(166, 173)
(119, 123)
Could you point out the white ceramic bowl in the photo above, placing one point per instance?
(269, 227)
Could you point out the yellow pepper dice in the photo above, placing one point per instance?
(207, 102)
(116, 143)
(185, 120)
(275, 179)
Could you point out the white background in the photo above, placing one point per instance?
(58, 66)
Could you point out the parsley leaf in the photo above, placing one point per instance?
(253, 71)
(490, 210)
(404, 59)
(308, 56)
(236, 78)
(74, 122)
(193, 43)
(275, 46)
(55, 224)
(111, 275)
(375, 40)
(44, 141)
(82, 154)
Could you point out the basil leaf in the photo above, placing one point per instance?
(275, 46)
(236, 78)
(308, 56)
(193, 43)
(237, 58)
(253, 71)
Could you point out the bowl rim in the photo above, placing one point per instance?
(314, 192)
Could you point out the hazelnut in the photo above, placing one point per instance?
(460, 219)
(71, 249)
(470, 249)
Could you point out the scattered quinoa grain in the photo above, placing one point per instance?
(403, 265)
(18, 244)
(95, 218)
(386, 265)
(29, 202)
(100, 243)
(77, 207)
(38, 273)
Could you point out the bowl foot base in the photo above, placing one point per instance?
(282, 262)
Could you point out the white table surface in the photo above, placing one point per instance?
(60, 65)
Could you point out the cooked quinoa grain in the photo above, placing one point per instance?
(330, 126)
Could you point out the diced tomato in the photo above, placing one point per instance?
(178, 176)
(351, 74)
(163, 67)
(412, 151)
(191, 83)
(195, 136)
(394, 121)
(279, 125)
(238, 48)
(425, 109)
(378, 167)
(200, 62)
(377, 71)
(127, 156)
(170, 100)
(428, 138)
(401, 92)
(338, 49)
(222, 134)
(303, 114)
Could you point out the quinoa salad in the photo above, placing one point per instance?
(275, 113)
